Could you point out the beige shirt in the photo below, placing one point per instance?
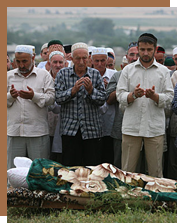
(26, 117)
(144, 117)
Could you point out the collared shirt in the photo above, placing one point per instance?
(27, 117)
(144, 117)
(82, 110)
(107, 111)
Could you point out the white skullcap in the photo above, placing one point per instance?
(175, 51)
(90, 48)
(45, 45)
(79, 45)
(124, 59)
(25, 49)
(110, 50)
(99, 50)
(55, 53)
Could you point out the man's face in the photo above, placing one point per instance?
(8, 63)
(99, 62)
(160, 58)
(132, 54)
(44, 55)
(24, 62)
(57, 63)
(146, 52)
(110, 63)
(80, 60)
(175, 59)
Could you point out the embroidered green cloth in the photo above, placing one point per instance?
(91, 181)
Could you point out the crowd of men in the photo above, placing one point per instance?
(75, 108)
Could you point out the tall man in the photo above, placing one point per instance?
(80, 92)
(116, 133)
(144, 90)
(29, 92)
(99, 61)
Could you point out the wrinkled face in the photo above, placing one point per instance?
(99, 62)
(80, 60)
(8, 63)
(44, 55)
(57, 62)
(110, 63)
(160, 57)
(132, 54)
(146, 52)
(24, 62)
(175, 59)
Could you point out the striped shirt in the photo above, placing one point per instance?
(82, 110)
(174, 102)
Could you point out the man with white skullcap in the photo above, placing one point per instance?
(80, 92)
(30, 91)
(44, 51)
(99, 61)
(57, 62)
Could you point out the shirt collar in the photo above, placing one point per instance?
(87, 74)
(138, 63)
(34, 71)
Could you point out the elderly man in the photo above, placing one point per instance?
(80, 92)
(29, 92)
(144, 90)
(57, 62)
(99, 61)
(116, 133)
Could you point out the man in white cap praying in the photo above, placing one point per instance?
(30, 91)
(80, 92)
(99, 61)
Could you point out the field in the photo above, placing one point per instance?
(164, 19)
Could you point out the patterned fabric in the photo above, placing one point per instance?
(82, 110)
(93, 181)
(174, 102)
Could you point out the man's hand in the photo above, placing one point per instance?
(26, 94)
(88, 85)
(13, 92)
(77, 86)
(139, 92)
(150, 93)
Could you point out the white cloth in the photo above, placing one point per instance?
(29, 117)
(144, 117)
(107, 111)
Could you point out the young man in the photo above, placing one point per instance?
(144, 90)
(80, 92)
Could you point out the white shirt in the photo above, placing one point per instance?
(144, 117)
(27, 117)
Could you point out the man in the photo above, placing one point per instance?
(116, 133)
(8, 63)
(44, 52)
(99, 61)
(29, 92)
(175, 61)
(53, 45)
(160, 55)
(144, 90)
(57, 62)
(80, 92)
(111, 59)
(124, 62)
(170, 64)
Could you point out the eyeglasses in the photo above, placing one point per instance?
(132, 44)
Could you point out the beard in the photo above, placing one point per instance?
(25, 70)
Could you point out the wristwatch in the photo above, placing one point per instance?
(133, 95)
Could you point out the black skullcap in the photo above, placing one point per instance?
(52, 42)
(160, 49)
(147, 37)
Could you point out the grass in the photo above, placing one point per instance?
(129, 215)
